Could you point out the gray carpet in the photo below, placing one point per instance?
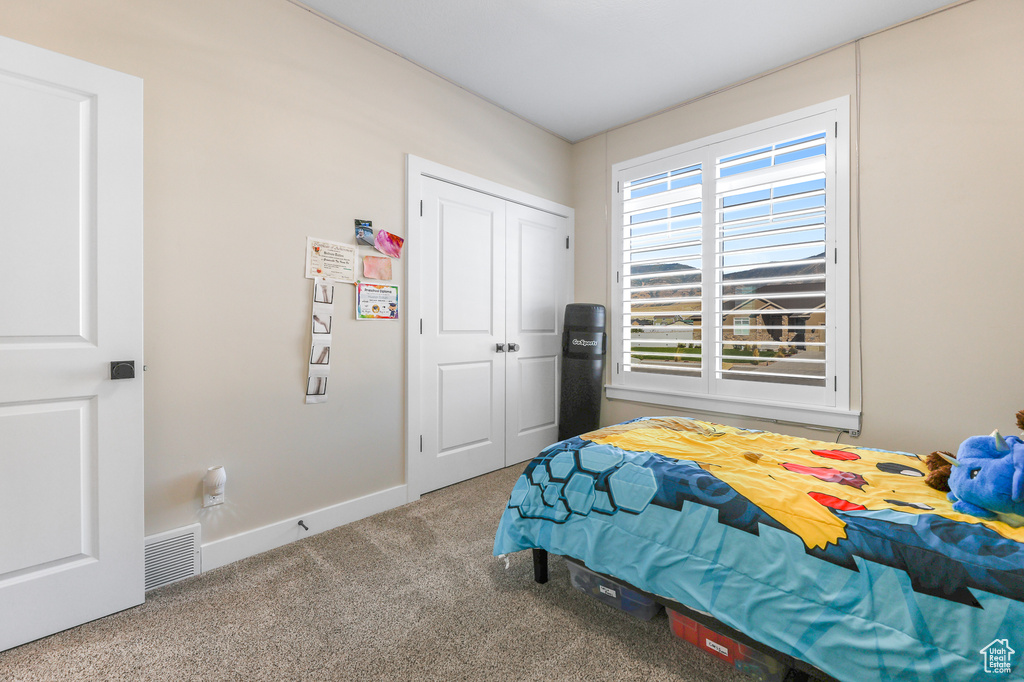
(410, 594)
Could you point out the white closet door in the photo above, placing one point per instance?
(537, 263)
(71, 439)
(462, 374)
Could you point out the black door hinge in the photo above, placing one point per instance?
(421, 208)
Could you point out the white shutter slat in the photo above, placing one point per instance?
(733, 271)
(673, 197)
(791, 172)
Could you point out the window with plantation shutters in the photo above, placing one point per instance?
(731, 266)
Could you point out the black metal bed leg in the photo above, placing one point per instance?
(540, 565)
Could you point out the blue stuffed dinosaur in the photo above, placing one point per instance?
(987, 478)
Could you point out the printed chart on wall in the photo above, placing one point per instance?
(322, 324)
(376, 301)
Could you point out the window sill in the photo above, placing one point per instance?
(828, 417)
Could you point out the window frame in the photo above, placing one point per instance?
(827, 406)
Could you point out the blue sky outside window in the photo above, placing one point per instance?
(686, 209)
(746, 198)
(675, 227)
(647, 191)
(648, 216)
(800, 188)
(799, 154)
(686, 223)
(686, 181)
(746, 213)
(745, 167)
(800, 204)
(802, 237)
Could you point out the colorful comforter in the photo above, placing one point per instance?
(837, 555)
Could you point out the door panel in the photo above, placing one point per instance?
(71, 545)
(465, 399)
(538, 267)
(463, 385)
(541, 271)
(538, 379)
(50, 451)
(47, 159)
(466, 240)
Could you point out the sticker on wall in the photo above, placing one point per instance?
(376, 267)
(332, 261)
(364, 232)
(321, 322)
(388, 244)
(376, 301)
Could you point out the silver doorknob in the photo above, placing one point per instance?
(513, 347)
(499, 348)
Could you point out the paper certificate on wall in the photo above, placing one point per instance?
(332, 261)
(376, 301)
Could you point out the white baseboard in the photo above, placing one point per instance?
(227, 550)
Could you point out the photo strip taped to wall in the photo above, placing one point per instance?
(321, 323)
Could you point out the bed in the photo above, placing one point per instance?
(838, 556)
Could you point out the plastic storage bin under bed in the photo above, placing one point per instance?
(612, 593)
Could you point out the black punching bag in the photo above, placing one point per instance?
(583, 348)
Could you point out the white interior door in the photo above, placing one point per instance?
(536, 257)
(489, 278)
(71, 487)
(463, 311)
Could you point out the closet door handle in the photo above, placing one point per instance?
(513, 347)
(499, 348)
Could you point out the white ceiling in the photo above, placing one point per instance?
(579, 67)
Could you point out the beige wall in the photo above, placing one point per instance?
(942, 212)
(941, 281)
(265, 124)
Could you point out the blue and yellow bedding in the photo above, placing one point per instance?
(837, 555)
